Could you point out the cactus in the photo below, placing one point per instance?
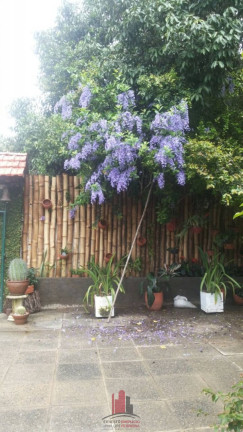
(20, 310)
(17, 270)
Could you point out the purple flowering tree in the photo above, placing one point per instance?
(114, 149)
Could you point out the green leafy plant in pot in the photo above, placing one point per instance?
(105, 279)
(18, 277)
(154, 292)
(213, 287)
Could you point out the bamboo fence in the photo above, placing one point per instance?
(47, 231)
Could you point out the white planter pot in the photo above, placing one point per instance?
(102, 306)
(208, 303)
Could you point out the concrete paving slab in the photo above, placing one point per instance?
(140, 388)
(14, 395)
(119, 354)
(79, 371)
(156, 416)
(83, 393)
(165, 367)
(78, 356)
(227, 346)
(124, 369)
(35, 357)
(237, 360)
(29, 373)
(78, 419)
(173, 386)
(23, 420)
(187, 414)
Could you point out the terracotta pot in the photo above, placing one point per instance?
(75, 276)
(17, 287)
(158, 301)
(108, 257)
(102, 224)
(171, 226)
(210, 252)
(30, 289)
(238, 300)
(141, 241)
(20, 319)
(46, 203)
(228, 246)
(64, 257)
(196, 230)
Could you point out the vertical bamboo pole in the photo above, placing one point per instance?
(109, 232)
(59, 224)
(124, 224)
(70, 227)
(26, 218)
(88, 232)
(134, 227)
(139, 213)
(30, 227)
(114, 233)
(64, 221)
(82, 235)
(75, 256)
(101, 244)
(40, 246)
(93, 232)
(185, 239)
(36, 221)
(119, 229)
(53, 227)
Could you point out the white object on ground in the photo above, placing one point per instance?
(182, 302)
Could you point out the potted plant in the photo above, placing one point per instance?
(154, 292)
(195, 223)
(64, 253)
(238, 295)
(101, 292)
(102, 224)
(20, 316)
(75, 273)
(214, 283)
(18, 277)
(33, 281)
(225, 240)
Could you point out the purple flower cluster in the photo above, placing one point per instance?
(73, 142)
(127, 121)
(121, 179)
(115, 146)
(126, 99)
(73, 163)
(85, 97)
(175, 120)
(167, 141)
(96, 192)
(65, 106)
(72, 212)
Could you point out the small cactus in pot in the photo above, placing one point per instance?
(21, 315)
(17, 273)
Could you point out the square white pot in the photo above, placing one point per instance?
(208, 303)
(101, 303)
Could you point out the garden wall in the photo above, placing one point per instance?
(47, 231)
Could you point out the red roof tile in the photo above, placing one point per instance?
(12, 164)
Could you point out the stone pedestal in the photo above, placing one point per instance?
(16, 302)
